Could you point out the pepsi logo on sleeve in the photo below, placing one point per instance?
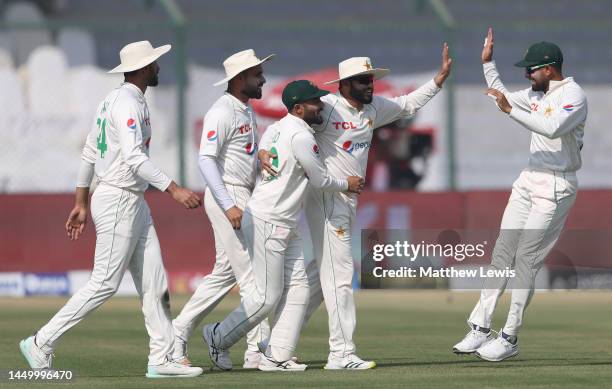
(250, 148)
(212, 136)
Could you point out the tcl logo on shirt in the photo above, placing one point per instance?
(344, 125)
(349, 146)
(211, 136)
(245, 128)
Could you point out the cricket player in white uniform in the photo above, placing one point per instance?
(117, 150)
(270, 229)
(350, 117)
(554, 109)
(228, 163)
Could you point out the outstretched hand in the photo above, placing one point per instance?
(184, 196)
(445, 68)
(500, 100)
(487, 50)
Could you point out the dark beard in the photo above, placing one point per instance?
(252, 93)
(540, 88)
(154, 81)
(314, 119)
(361, 97)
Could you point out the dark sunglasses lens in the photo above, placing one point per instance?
(364, 80)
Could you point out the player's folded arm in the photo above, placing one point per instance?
(562, 120)
(518, 99)
(306, 152)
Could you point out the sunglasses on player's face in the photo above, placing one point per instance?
(364, 80)
(532, 69)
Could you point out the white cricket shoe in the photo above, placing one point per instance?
(219, 357)
(37, 359)
(295, 365)
(179, 355)
(350, 362)
(268, 364)
(251, 359)
(474, 340)
(172, 369)
(263, 348)
(497, 350)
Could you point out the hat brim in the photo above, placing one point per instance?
(237, 72)
(320, 93)
(377, 73)
(525, 64)
(157, 52)
(316, 95)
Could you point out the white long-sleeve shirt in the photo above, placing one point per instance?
(118, 143)
(298, 163)
(556, 120)
(229, 136)
(228, 141)
(346, 133)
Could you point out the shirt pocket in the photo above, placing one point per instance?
(277, 238)
(564, 185)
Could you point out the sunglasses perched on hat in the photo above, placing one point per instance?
(531, 69)
(540, 55)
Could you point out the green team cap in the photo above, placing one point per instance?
(299, 91)
(541, 54)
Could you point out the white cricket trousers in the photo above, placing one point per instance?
(125, 239)
(531, 225)
(232, 265)
(281, 286)
(330, 219)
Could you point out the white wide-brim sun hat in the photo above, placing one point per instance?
(239, 62)
(357, 66)
(137, 55)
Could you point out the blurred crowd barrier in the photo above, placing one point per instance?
(35, 252)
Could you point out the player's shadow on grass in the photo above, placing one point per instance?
(390, 363)
(380, 363)
(474, 362)
(541, 362)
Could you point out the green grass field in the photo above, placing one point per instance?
(566, 342)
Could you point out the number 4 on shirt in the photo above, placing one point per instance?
(101, 140)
